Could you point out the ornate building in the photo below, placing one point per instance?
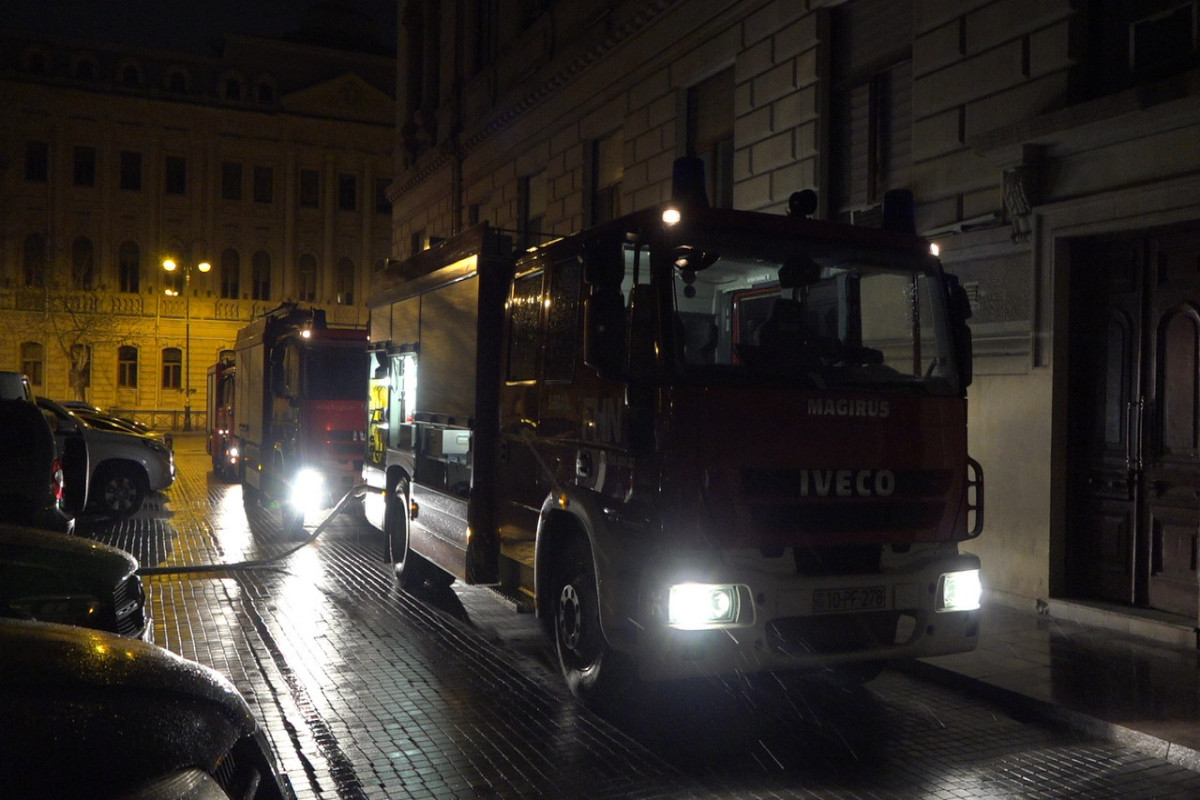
(268, 163)
(1051, 146)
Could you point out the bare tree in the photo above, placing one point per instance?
(80, 322)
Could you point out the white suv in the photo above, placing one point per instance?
(125, 466)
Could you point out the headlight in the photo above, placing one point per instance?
(308, 489)
(696, 606)
(190, 783)
(959, 591)
(63, 609)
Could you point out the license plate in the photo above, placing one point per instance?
(866, 598)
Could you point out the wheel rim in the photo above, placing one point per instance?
(570, 619)
(120, 494)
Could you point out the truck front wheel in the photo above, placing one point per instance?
(412, 570)
(595, 673)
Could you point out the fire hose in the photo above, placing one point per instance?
(355, 492)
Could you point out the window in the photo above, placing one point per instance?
(260, 276)
(1130, 42)
(233, 89)
(231, 270)
(129, 268)
(85, 69)
(562, 320)
(176, 175)
(485, 35)
(306, 279)
(710, 134)
(130, 76)
(608, 168)
(266, 94)
(33, 362)
(264, 185)
(871, 107)
(416, 242)
(231, 181)
(382, 204)
(524, 326)
(83, 263)
(172, 368)
(33, 258)
(347, 193)
(127, 366)
(310, 188)
(345, 282)
(131, 171)
(84, 161)
(531, 200)
(37, 162)
(177, 82)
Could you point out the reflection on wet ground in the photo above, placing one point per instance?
(368, 691)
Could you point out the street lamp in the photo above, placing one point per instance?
(170, 266)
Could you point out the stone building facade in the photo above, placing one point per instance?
(268, 161)
(1054, 151)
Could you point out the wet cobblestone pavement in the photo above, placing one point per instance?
(369, 692)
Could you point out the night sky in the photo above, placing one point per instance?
(193, 26)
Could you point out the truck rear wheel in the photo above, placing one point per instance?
(595, 673)
(412, 570)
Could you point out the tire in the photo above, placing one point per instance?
(597, 675)
(120, 490)
(413, 571)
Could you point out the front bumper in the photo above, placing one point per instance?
(794, 622)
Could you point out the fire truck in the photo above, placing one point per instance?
(694, 441)
(298, 422)
(219, 405)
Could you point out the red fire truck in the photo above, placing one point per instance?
(300, 411)
(696, 441)
(220, 444)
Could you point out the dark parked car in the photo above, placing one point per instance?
(85, 714)
(38, 487)
(54, 578)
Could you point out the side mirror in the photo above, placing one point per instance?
(960, 312)
(604, 333)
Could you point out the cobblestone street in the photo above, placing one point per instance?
(369, 692)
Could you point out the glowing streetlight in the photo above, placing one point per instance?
(170, 265)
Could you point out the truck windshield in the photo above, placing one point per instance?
(335, 373)
(811, 316)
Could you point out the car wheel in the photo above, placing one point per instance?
(413, 571)
(595, 673)
(120, 490)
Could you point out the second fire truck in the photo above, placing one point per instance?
(697, 441)
(298, 419)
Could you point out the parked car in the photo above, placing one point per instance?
(38, 486)
(54, 578)
(109, 422)
(88, 714)
(125, 467)
(15, 386)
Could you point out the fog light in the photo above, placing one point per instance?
(959, 591)
(695, 606)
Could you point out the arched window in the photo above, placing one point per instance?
(131, 75)
(34, 260)
(233, 89)
(306, 279)
(127, 366)
(345, 282)
(33, 362)
(260, 281)
(83, 264)
(177, 81)
(266, 93)
(231, 270)
(172, 368)
(85, 69)
(129, 268)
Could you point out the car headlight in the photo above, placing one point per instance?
(68, 609)
(192, 784)
(697, 606)
(959, 591)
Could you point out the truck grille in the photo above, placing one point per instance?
(833, 633)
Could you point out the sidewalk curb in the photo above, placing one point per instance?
(1076, 721)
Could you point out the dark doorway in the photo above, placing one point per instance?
(1134, 419)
